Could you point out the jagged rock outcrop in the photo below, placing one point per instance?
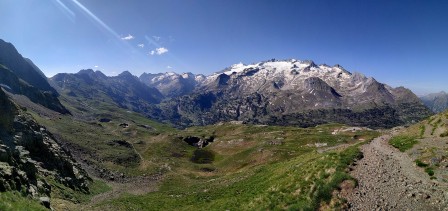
(198, 142)
(29, 156)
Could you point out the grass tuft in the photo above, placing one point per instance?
(403, 143)
(422, 130)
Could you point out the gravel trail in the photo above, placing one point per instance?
(389, 180)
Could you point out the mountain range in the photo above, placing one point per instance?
(278, 92)
(290, 92)
(124, 90)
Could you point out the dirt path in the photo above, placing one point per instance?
(389, 180)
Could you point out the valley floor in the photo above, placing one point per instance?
(389, 180)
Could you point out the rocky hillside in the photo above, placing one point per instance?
(294, 92)
(31, 160)
(19, 75)
(172, 84)
(437, 102)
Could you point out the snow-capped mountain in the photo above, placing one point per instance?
(286, 92)
(171, 84)
(296, 92)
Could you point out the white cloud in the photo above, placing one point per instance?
(129, 37)
(168, 67)
(156, 38)
(96, 66)
(141, 45)
(159, 51)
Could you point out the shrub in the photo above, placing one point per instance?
(420, 163)
(430, 171)
(444, 134)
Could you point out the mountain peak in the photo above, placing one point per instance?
(125, 73)
(86, 71)
(127, 76)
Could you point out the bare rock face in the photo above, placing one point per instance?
(29, 155)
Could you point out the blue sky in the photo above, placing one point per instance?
(396, 42)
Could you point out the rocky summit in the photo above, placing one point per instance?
(294, 92)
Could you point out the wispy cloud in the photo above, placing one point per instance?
(129, 37)
(141, 45)
(67, 12)
(169, 67)
(159, 51)
(95, 18)
(156, 38)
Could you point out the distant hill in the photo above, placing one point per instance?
(437, 102)
(125, 90)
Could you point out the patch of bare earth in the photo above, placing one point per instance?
(389, 180)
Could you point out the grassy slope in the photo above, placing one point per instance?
(254, 167)
(14, 201)
(426, 143)
(93, 138)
